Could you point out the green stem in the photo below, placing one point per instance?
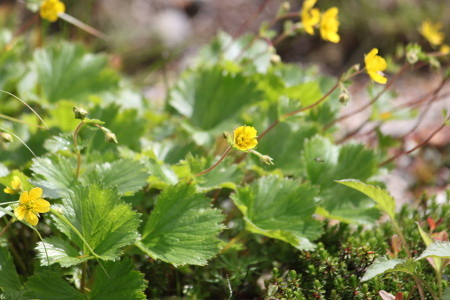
(20, 121)
(214, 165)
(6, 227)
(83, 276)
(421, 281)
(74, 229)
(75, 143)
(78, 233)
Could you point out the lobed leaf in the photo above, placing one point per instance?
(106, 222)
(210, 96)
(54, 174)
(50, 285)
(56, 250)
(126, 175)
(182, 228)
(326, 163)
(66, 71)
(9, 279)
(121, 282)
(281, 209)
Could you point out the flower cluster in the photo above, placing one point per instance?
(30, 205)
(50, 10)
(328, 22)
(432, 32)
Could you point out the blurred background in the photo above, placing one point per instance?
(154, 40)
(143, 32)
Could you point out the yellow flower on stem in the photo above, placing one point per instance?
(30, 205)
(50, 9)
(244, 138)
(432, 32)
(375, 65)
(310, 16)
(329, 25)
(16, 186)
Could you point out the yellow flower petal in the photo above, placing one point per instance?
(35, 194)
(20, 212)
(31, 218)
(41, 206)
(16, 183)
(310, 19)
(377, 77)
(329, 25)
(24, 198)
(432, 32)
(375, 64)
(8, 190)
(245, 138)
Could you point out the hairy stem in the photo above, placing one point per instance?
(214, 165)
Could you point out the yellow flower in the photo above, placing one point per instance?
(329, 25)
(30, 205)
(432, 32)
(310, 16)
(445, 49)
(375, 65)
(16, 186)
(50, 9)
(245, 138)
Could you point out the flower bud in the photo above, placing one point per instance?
(80, 113)
(109, 135)
(6, 137)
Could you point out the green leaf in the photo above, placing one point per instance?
(56, 250)
(284, 144)
(126, 175)
(66, 71)
(54, 174)
(9, 279)
(383, 265)
(209, 97)
(281, 209)
(326, 163)
(105, 221)
(437, 249)
(307, 93)
(226, 175)
(59, 144)
(182, 227)
(121, 283)
(384, 200)
(121, 122)
(253, 53)
(61, 116)
(50, 285)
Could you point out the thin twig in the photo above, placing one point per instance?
(83, 26)
(388, 85)
(75, 143)
(427, 108)
(214, 165)
(417, 146)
